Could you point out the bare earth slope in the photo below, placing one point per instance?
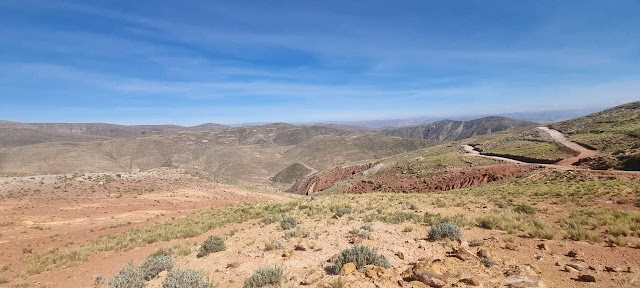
(455, 130)
(253, 153)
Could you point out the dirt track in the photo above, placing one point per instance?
(560, 138)
(566, 164)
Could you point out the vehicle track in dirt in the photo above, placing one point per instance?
(565, 164)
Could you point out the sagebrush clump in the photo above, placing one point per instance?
(264, 277)
(212, 244)
(288, 222)
(185, 278)
(128, 277)
(154, 264)
(360, 256)
(445, 230)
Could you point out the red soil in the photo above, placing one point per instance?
(450, 180)
(317, 182)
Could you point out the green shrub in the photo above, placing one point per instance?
(367, 227)
(298, 233)
(154, 264)
(487, 261)
(264, 277)
(445, 230)
(360, 256)
(431, 219)
(185, 278)
(288, 222)
(524, 209)
(212, 244)
(341, 212)
(128, 277)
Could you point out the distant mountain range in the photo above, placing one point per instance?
(451, 130)
(536, 116)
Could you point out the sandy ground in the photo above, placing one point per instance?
(38, 213)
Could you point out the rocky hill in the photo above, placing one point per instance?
(615, 132)
(251, 153)
(455, 130)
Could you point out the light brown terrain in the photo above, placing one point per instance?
(75, 210)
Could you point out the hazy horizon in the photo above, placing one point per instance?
(196, 62)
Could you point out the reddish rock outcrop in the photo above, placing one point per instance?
(442, 182)
(320, 181)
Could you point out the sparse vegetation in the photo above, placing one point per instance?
(181, 278)
(264, 277)
(137, 237)
(360, 256)
(211, 245)
(288, 222)
(128, 277)
(154, 264)
(445, 230)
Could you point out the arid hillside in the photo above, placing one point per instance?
(455, 130)
(615, 132)
(252, 153)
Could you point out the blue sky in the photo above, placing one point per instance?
(191, 62)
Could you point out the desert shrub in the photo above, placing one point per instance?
(271, 219)
(341, 212)
(367, 227)
(487, 261)
(212, 244)
(154, 264)
(264, 277)
(360, 233)
(288, 222)
(181, 249)
(360, 256)
(398, 217)
(431, 219)
(524, 209)
(575, 231)
(538, 229)
(273, 244)
(128, 277)
(298, 233)
(445, 230)
(185, 278)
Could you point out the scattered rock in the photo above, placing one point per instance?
(471, 281)
(300, 247)
(476, 243)
(400, 255)
(543, 246)
(463, 254)
(426, 274)
(586, 278)
(511, 246)
(412, 284)
(573, 253)
(287, 253)
(576, 266)
(484, 253)
(570, 269)
(524, 281)
(613, 269)
(348, 268)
